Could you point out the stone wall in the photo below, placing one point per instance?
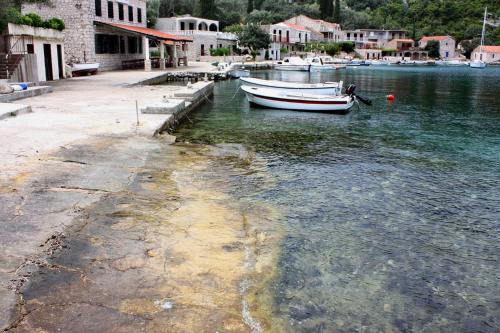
(79, 35)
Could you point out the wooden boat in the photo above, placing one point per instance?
(327, 88)
(292, 64)
(84, 69)
(276, 99)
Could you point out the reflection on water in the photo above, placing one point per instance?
(391, 213)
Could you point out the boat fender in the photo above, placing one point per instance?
(350, 89)
(390, 98)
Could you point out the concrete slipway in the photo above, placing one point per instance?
(80, 159)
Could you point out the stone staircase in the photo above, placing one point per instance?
(10, 64)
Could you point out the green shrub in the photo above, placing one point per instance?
(12, 15)
(36, 20)
(221, 51)
(283, 50)
(347, 47)
(26, 20)
(55, 23)
(332, 49)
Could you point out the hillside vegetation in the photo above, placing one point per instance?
(460, 18)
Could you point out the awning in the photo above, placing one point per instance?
(151, 33)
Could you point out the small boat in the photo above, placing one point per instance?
(276, 99)
(237, 73)
(356, 63)
(292, 64)
(84, 69)
(317, 64)
(480, 63)
(378, 62)
(327, 88)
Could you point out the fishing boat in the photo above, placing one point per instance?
(327, 88)
(357, 63)
(277, 99)
(292, 64)
(480, 63)
(84, 69)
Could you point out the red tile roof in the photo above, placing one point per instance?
(491, 48)
(436, 38)
(295, 26)
(149, 32)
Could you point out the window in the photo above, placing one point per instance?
(139, 15)
(110, 9)
(106, 44)
(132, 45)
(140, 44)
(191, 26)
(183, 26)
(98, 8)
(348, 35)
(120, 11)
(30, 48)
(122, 44)
(131, 13)
(211, 46)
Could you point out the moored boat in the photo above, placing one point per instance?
(317, 64)
(277, 99)
(292, 64)
(84, 69)
(480, 63)
(238, 73)
(327, 88)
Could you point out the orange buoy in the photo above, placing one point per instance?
(390, 98)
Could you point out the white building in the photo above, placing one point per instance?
(34, 54)
(373, 37)
(488, 53)
(205, 33)
(446, 45)
(329, 32)
(286, 36)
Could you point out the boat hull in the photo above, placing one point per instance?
(479, 65)
(301, 68)
(237, 73)
(84, 69)
(323, 89)
(297, 103)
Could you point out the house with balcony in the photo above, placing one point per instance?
(403, 49)
(287, 39)
(446, 45)
(204, 33)
(112, 33)
(322, 30)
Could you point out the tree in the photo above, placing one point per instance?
(336, 12)
(152, 12)
(250, 6)
(469, 46)
(253, 37)
(207, 9)
(432, 48)
(332, 49)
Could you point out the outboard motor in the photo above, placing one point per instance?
(350, 89)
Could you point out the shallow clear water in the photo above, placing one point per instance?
(392, 212)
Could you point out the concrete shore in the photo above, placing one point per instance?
(79, 159)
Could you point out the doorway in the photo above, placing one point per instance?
(47, 54)
(60, 62)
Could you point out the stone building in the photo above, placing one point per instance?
(376, 37)
(287, 36)
(107, 32)
(205, 34)
(486, 53)
(446, 45)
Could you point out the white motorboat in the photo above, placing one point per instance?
(292, 64)
(480, 63)
(454, 63)
(317, 64)
(237, 73)
(84, 69)
(327, 88)
(378, 62)
(276, 99)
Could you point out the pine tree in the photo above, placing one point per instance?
(207, 9)
(336, 12)
(250, 6)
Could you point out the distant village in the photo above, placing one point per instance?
(114, 34)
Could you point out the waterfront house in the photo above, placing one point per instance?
(112, 33)
(488, 53)
(328, 31)
(31, 54)
(370, 43)
(446, 45)
(205, 34)
(287, 39)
